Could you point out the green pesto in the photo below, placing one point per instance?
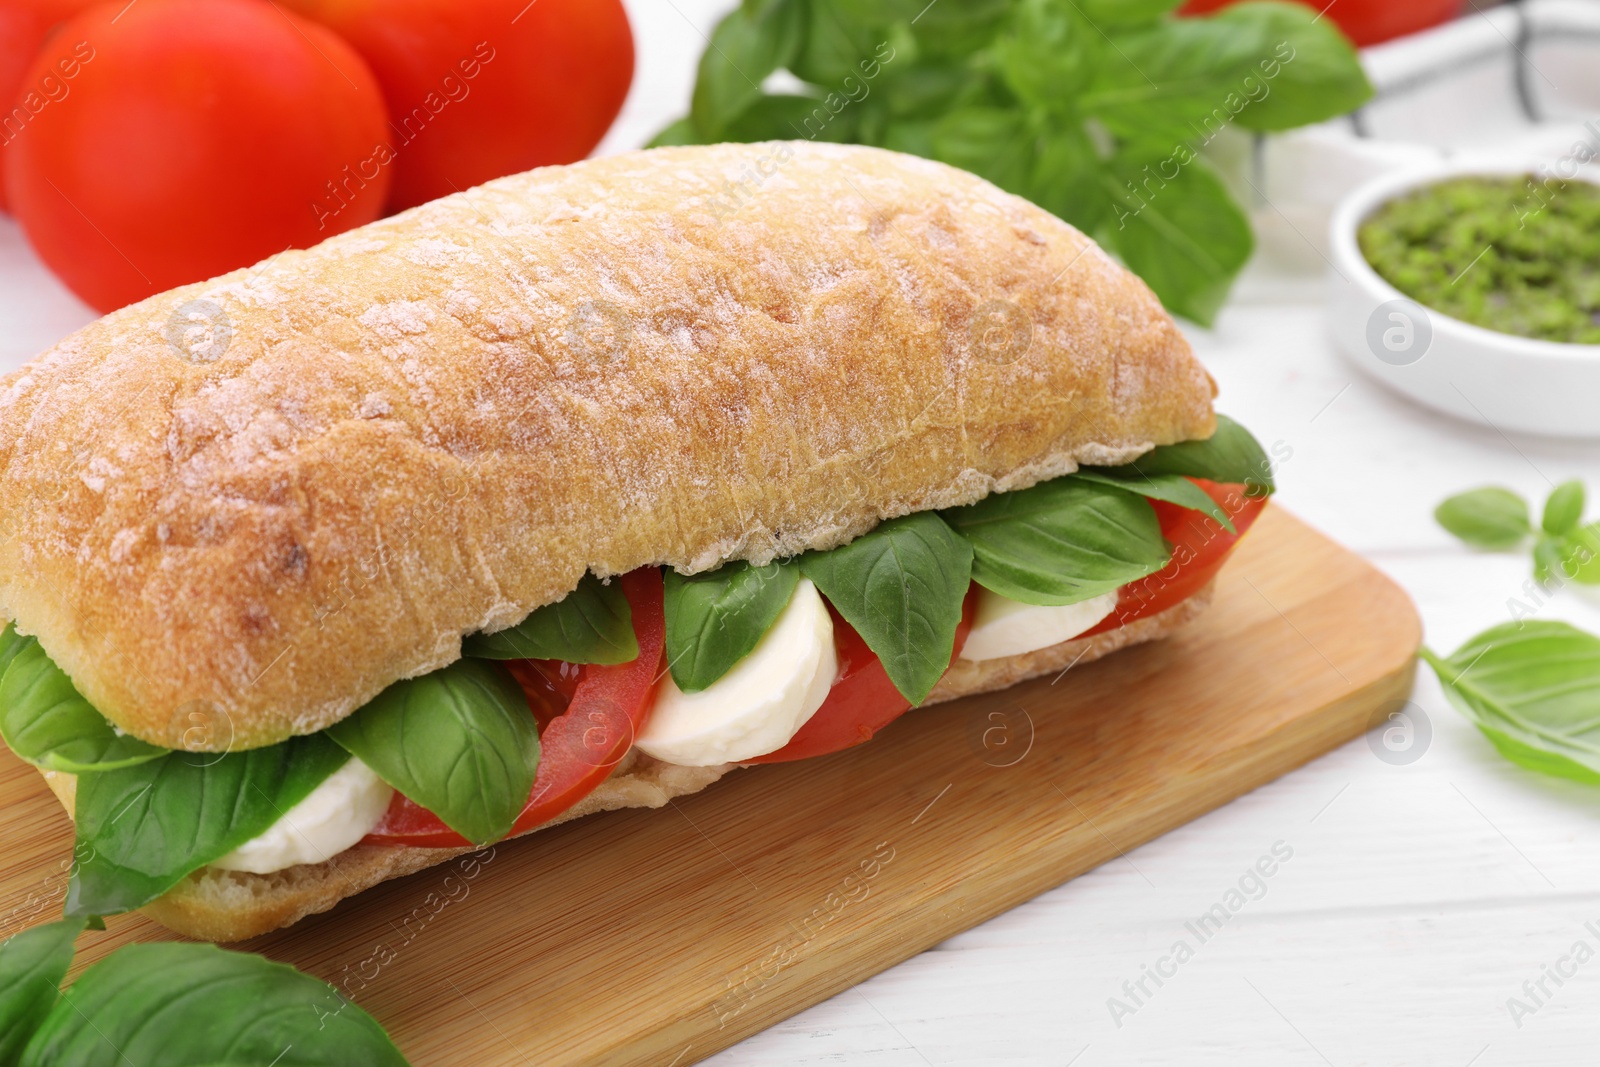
(1519, 254)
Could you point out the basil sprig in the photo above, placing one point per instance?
(459, 741)
(1061, 541)
(32, 965)
(184, 1005)
(715, 619)
(592, 624)
(1533, 689)
(46, 722)
(1231, 454)
(1496, 518)
(1074, 104)
(901, 587)
(142, 829)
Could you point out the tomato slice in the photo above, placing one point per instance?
(863, 700)
(1199, 547)
(605, 708)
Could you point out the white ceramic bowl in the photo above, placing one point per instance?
(1507, 382)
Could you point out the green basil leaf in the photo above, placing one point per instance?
(181, 1005)
(1178, 228)
(32, 965)
(789, 118)
(45, 721)
(1532, 688)
(592, 624)
(11, 643)
(1563, 508)
(1231, 455)
(460, 741)
(1173, 488)
(839, 36)
(1490, 517)
(676, 133)
(142, 829)
(1547, 558)
(991, 142)
(901, 587)
(715, 619)
(1068, 178)
(954, 31)
(745, 47)
(1118, 14)
(1061, 541)
(1309, 70)
(922, 90)
(1583, 554)
(1048, 55)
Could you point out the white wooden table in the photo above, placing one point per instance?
(1419, 897)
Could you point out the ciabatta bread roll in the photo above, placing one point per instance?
(261, 499)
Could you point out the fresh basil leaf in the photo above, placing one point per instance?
(954, 31)
(1119, 14)
(676, 133)
(46, 722)
(11, 643)
(1490, 517)
(745, 47)
(591, 624)
(839, 36)
(901, 587)
(1068, 178)
(1173, 488)
(1231, 455)
(791, 118)
(1061, 541)
(32, 965)
(922, 90)
(1048, 55)
(1304, 69)
(1583, 554)
(1547, 558)
(460, 741)
(1532, 687)
(991, 142)
(1178, 228)
(1563, 508)
(182, 1005)
(1171, 82)
(715, 619)
(142, 829)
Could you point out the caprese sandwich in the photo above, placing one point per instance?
(568, 493)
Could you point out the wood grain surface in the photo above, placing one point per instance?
(659, 937)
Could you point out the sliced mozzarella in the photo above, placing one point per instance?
(1006, 627)
(332, 817)
(760, 703)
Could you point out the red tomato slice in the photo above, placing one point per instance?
(580, 744)
(1199, 547)
(863, 700)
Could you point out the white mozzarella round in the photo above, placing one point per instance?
(332, 817)
(1006, 627)
(760, 703)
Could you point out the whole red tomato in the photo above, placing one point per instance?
(1363, 21)
(198, 136)
(482, 88)
(24, 25)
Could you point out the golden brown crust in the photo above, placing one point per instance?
(217, 905)
(433, 424)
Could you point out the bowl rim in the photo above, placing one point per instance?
(1365, 199)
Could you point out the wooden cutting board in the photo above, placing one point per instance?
(660, 937)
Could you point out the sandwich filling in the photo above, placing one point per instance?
(798, 658)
